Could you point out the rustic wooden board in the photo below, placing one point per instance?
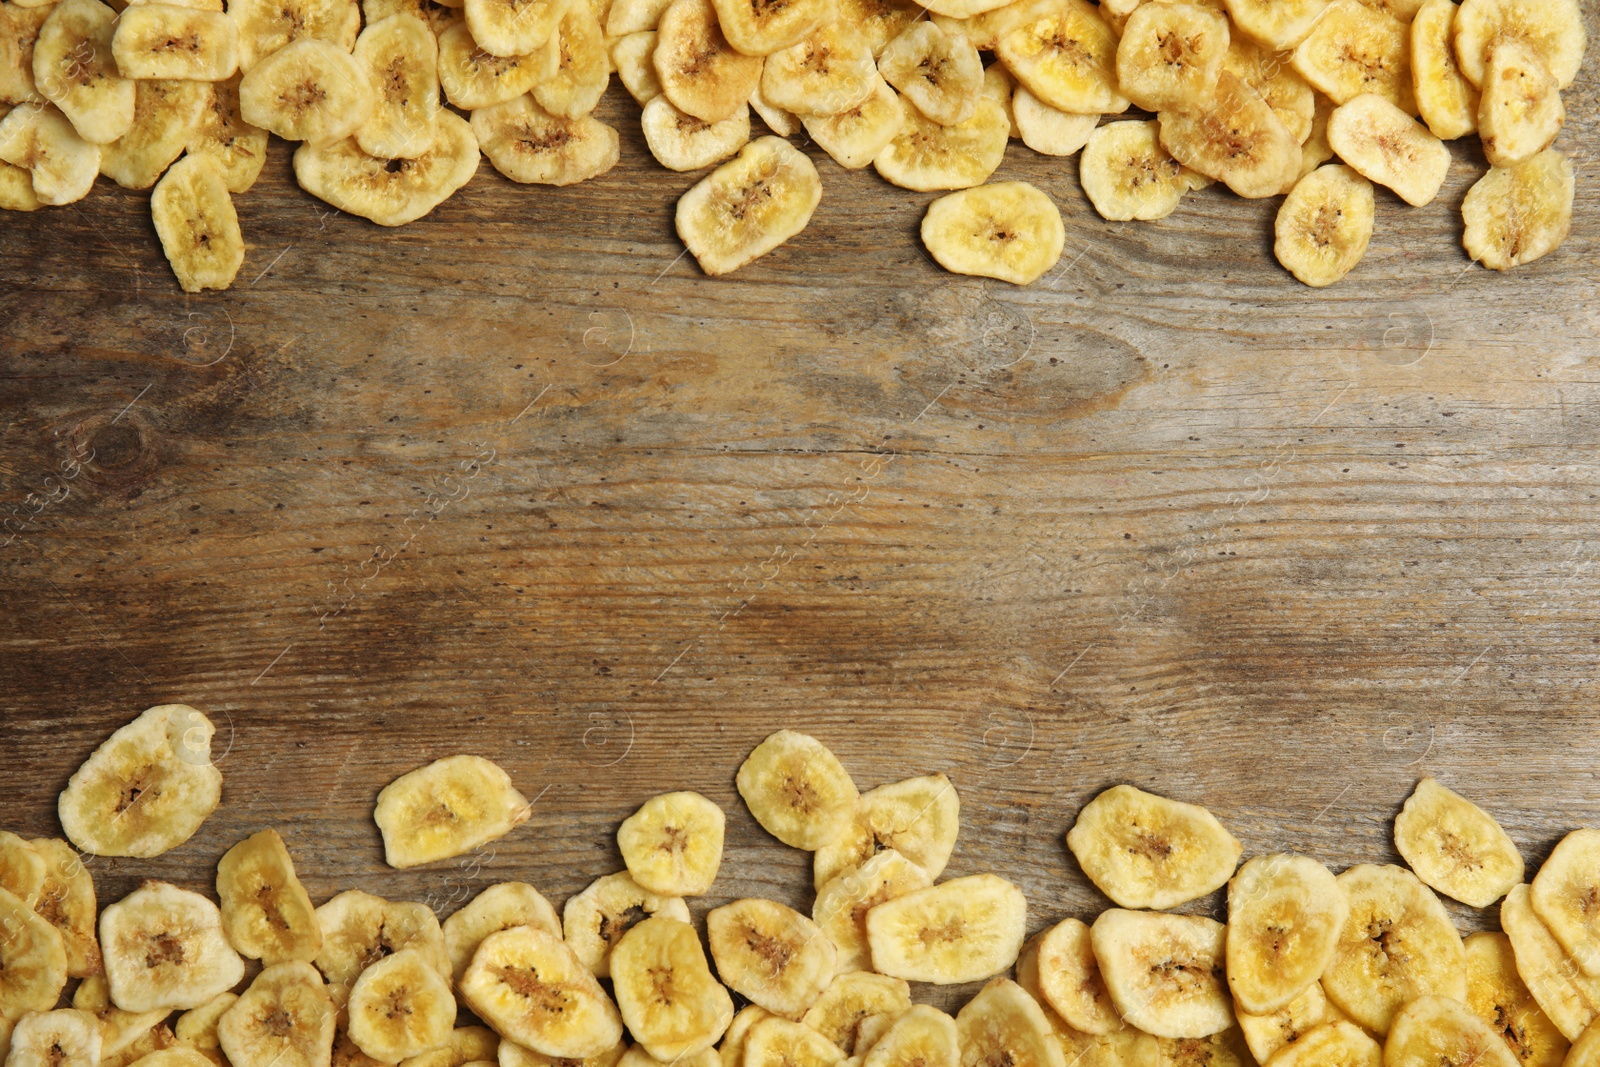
(517, 480)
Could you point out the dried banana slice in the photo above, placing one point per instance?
(19, 29)
(962, 930)
(636, 1056)
(582, 66)
(237, 147)
(1432, 1030)
(762, 27)
(938, 72)
(513, 28)
(40, 140)
(1004, 1027)
(1563, 895)
(595, 919)
(1236, 139)
(455, 804)
(1499, 997)
(1447, 102)
(673, 844)
(632, 57)
(1276, 24)
(532, 989)
(266, 912)
(778, 120)
(770, 954)
(778, 1042)
(1005, 230)
(166, 114)
(436, 16)
(474, 78)
(739, 212)
(669, 1000)
(699, 70)
(926, 156)
(309, 91)
(476, 1045)
(851, 997)
(401, 58)
(1560, 988)
(1323, 228)
(1047, 130)
(1266, 1034)
(1285, 913)
(16, 194)
(1316, 151)
(151, 784)
(401, 1006)
(22, 869)
(842, 905)
(1553, 28)
(1521, 111)
(794, 786)
(268, 25)
(1335, 1044)
(514, 1055)
(1586, 1049)
(345, 1052)
(879, 21)
(1397, 944)
(65, 1037)
(359, 929)
(164, 946)
(67, 902)
(197, 1027)
(872, 1028)
(1070, 982)
(1455, 846)
(731, 1051)
(285, 1019)
(1355, 49)
(1001, 87)
(75, 69)
(528, 144)
(829, 72)
(1515, 215)
(1063, 52)
(1170, 54)
(125, 1036)
(1288, 94)
(1146, 851)
(1128, 175)
(199, 232)
(1225, 1049)
(500, 907)
(921, 1036)
(1164, 972)
(917, 817)
(634, 16)
(854, 138)
(1389, 147)
(155, 40)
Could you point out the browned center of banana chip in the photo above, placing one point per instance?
(525, 982)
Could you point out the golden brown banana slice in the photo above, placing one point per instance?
(962, 930)
(762, 27)
(1128, 175)
(1455, 846)
(1323, 228)
(401, 1006)
(854, 138)
(582, 66)
(1063, 52)
(1498, 996)
(594, 920)
(1563, 895)
(1355, 49)
(452, 805)
(1552, 28)
(878, 21)
(22, 869)
(1069, 979)
(926, 156)
(1225, 1049)
(669, 1000)
(917, 817)
(1164, 972)
(19, 29)
(474, 78)
(828, 72)
(67, 900)
(1389, 147)
(1335, 1044)
(532, 989)
(197, 1027)
(266, 912)
(779, 1042)
(39, 139)
(851, 997)
(164, 946)
(513, 28)
(632, 57)
(75, 69)
(285, 1019)
(401, 58)
(1397, 944)
(309, 91)
(920, 1036)
(1515, 215)
(731, 1051)
(1521, 111)
(477, 1045)
(765, 951)
(1442, 1032)
(1004, 1027)
(1563, 992)
(65, 1037)
(1170, 55)
(267, 25)
(1146, 851)
(1285, 913)
(842, 905)
(154, 40)
(528, 144)
(633, 16)
(739, 212)
(1270, 74)
(1047, 130)
(681, 142)
(1447, 102)
(500, 907)
(359, 929)
(1276, 24)
(237, 147)
(1266, 1034)
(166, 114)
(1006, 230)
(938, 72)
(794, 786)
(699, 71)
(1236, 139)
(514, 1055)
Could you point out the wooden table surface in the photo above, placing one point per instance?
(518, 480)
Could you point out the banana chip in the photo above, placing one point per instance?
(1563, 895)
(500, 907)
(1389, 147)
(1225, 1049)
(359, 929)
(1514, 215)
(1266, 1034)
(1004, 1027)
(401, 57)
(22, 869)
(526, 143)
(197, 1027)
(633, 57)
(731, 1051)
(1063, 52)
(920, 1036)
(166, 114)
(925, 156)
(74, 68)
(1128, 175)
(1006, 230)
(67, 902)
(918, 817)
(1170, 55)
(962, 930)
(1323, 228)
(155, 40)
(1432, 1030)
(669, 1000)
(778, 1042)
(1276, 24)
(1335, 1044)
(1447, 102)
(851, 997)
(401, 1006)
(514, 1055)
(827, 73)
(237, 147)
(164, 946)
(937, 72)
(474, 78)
(1164, 972)
(1521, 111)
(265, 910)
(1552, 28)
(19, 29)
(1145, 851)
(1070, 981)
(1045, 129)
(673, 844)
(762, 27)
(531, 989)
(65, 1037)
(1455, 846)
(512, 28)
(854, 138)
(879, 21)
(1270, 74)
(794, 786)
(285, 1019)
(699, 71)
(477, 1045)
(16, 189)
(582, 66)
(842, 905)
(199, 232)
(594, 920)
(1355, 49)
(1498, 996)
(1563, 992)
(770, 954)
(1285, 914)
(309, 91)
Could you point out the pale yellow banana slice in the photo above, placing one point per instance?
(938, 72)
(266, 912)
(926, 156)
(359, 929)
(1447, 101)
(166, 114)
(197, 1027)
(1291, 98)
(794, 786)
(514, 1055)
(40, 140)
(1323, 228)
(669, 1000)
(1004, 1027)
(401, 58)
(1224, 1049)
(1047, 130)
(1266, 1034)
(1556, 983)
(473, 78)
(147, 1043)
(1146, 851)
(476, 1045)
(872, 1028)
(1128, 175)
(75, 69)
(309, 91)
(699, 71)
(1498, 996)
(1070, 981)
(1515, 215)
(878, 21)
(633, 16)
(920, 1036)
(631, 55)
(854, 138)
(762, 27)
(984, 28)
(125, 1036)
(19, 29)
(851, 997)
(673, 844)
(267, 25)
(1170, 55)
(1236, 138)
(842, 905)
(1564, 892)
(1063, 52)
(532, 989)
(1355, 49)
(452, 805)
(778, 120)
(1432, 1030)
(779, 1042)
(401, 1006)
(1397, 944)
(731, 1051)
(285, 1019)
(527, 144)
(1553, 28)
(918, 817)
(1164, 972)
(1001, 87)
(1285, 913)
(1334, 1044)
(1521, 111)
(513, 28)
(768, 952)
(164, 946)
(237, 147)
(22, 868)
(16, 194)
(1455, 846)
(1389, 147)
(67, 901)
(1276, 24)
(154, 40)
(962, 930)
(1121, 1048)
(65, 1037)
(1006, 230)
(828, 72)
(497, 908)
(582, 66)
(595, 920)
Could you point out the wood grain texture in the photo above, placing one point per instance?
(516, 480)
